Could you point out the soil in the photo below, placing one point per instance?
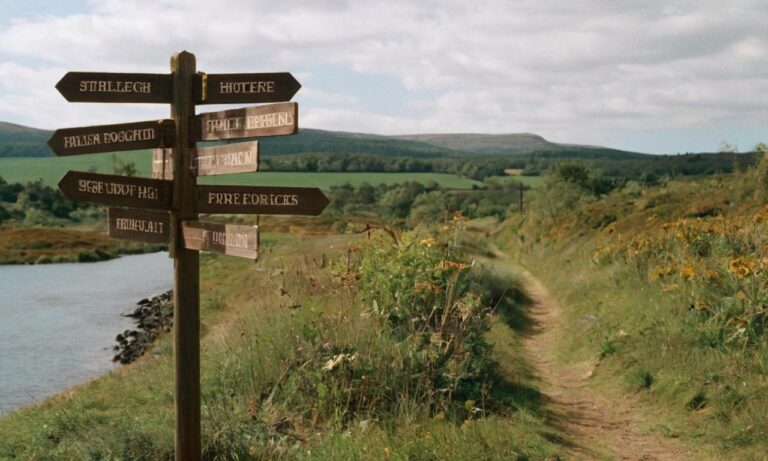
(595, 425)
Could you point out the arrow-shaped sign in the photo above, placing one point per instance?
(141, 225)
(261, 200)
(116, 87)
(228, 239)
(112, 138)
(162, 164)
(250, 122)
(245, 88)
(116, 190)
(241, 157)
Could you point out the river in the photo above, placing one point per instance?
(58, 322)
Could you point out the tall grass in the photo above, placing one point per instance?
(669, 296)
(298, 362)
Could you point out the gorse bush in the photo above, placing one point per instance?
(392, 327)
(717, 265)
(419, 291)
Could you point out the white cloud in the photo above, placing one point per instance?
(573, 71)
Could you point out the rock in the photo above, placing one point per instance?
(152, 316)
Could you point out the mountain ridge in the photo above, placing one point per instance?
(23, 141)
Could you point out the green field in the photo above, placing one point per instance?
(51, 169)
(530, 181)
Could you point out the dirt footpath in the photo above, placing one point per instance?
(596, 427)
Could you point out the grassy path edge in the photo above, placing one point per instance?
(596, 425)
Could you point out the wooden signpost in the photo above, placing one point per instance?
(141, 225)
(162, 164)
(261, 200)
(250, 122)
(245, 88)
(242, 157)
(173, 193)
(109, 189)
(228, 239)
(112, 87)
(111, 138)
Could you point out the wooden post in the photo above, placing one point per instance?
(186, 283)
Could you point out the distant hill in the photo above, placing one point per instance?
(320, 141)
(513, 144)
(22, 141)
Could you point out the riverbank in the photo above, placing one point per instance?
(295, 366)
(153, 316)
(37, 245)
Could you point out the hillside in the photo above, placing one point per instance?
(22, 141)
(659, 296)
(513, 144)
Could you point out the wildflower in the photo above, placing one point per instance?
(453, 265)
(712, 276)
(742, 266)
(688, 272)
(661, 272)
(459, 216)
(429, 241)
(338, 360)
(701, 305)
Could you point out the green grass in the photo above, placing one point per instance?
(692, 377)
(530, 181)
(267, 330)
(51, 170)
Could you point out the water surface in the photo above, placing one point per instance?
(58, 321)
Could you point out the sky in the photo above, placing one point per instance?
(657, 76)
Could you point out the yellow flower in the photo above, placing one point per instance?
(688, 272)
(429, 241)
(742, 266)
(661, 272)
(712, 276)
(701, 305)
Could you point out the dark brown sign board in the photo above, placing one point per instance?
(116, 87)
(261, 200)
(245, 88)
(228, 239)
(250, 122)
(241, 157)
(112, 138)
(117, 190)
(162, 164)
(142, 225)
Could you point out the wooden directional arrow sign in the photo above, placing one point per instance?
(162, 164)
(245, 88)
(228, 239)
(250, 122)
(116, 190)
(261, 200)
(113, 87)
(141, 225)
(112, 138)
(242, 157)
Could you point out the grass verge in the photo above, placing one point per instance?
(296, 365)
